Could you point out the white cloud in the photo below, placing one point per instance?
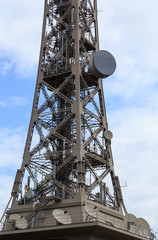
(5, 66)
(3, 104)
(11, 147)
(19, 101)
(14, 101)
(5, 191)
(127, 29)
(135, 155)
(20, 30)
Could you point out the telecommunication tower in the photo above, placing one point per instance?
(66, 186)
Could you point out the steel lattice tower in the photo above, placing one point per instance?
(67, 161)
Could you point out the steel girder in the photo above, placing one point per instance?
(66, 150)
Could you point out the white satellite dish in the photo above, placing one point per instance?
(14, 217)
(131, 222)
(21, 223)
(62, 216)
(29, 194)
(108, 135)
(91, 210)
(144, 227)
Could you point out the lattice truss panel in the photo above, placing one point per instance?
(50, 164)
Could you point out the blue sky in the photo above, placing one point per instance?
(127, 30)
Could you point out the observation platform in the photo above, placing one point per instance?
(85, 231)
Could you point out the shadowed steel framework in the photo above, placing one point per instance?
(67, 162)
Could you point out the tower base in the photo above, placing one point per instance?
(84, 231)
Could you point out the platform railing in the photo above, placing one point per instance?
(46, 221)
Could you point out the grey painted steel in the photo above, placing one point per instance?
(70, 120)
(72, 160)
(84, 231)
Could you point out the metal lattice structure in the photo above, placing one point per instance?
(67, 150)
